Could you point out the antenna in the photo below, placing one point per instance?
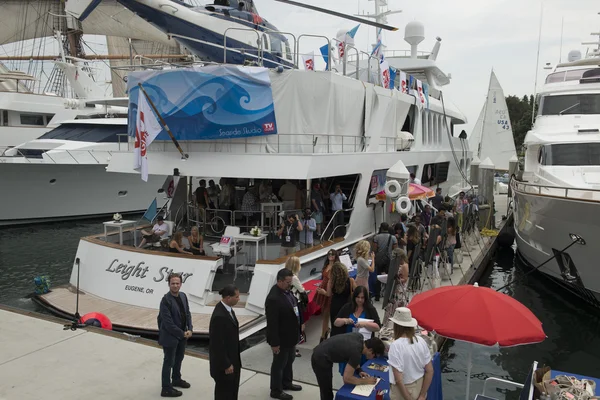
(537, 63)
(380, 16)
(562, 26)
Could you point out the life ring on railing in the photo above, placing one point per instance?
(403, 205)
(393, 189)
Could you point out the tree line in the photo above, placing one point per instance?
(519, 111)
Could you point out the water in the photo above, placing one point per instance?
(571, 327)
(572, 344)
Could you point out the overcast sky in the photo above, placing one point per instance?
(477, 35)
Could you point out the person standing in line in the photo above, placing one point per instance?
(337, 208)
(309, 227)
(322, 298)
(284, 325)
(174, 328)
(383, 245)
(224, 345)
(365, 263)
(438, 199)
(411, 370)
(347, 348)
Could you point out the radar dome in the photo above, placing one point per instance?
(414, 33)
(574, 55)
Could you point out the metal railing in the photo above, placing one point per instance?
(333, 218)
(501, 381)
(556, 191)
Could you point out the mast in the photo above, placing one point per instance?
(380, 16)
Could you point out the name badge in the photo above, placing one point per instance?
(296, 311)
(288, 239)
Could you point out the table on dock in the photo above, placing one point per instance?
(434, 392)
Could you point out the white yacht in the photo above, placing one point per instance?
(25, 115)
(557, 201)
(308, 126)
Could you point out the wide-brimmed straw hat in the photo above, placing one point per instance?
(403, 317)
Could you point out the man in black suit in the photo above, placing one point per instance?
(224, 346)
(174, 328)
(284, 322)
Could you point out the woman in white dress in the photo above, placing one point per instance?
(409, 357)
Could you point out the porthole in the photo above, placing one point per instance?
(122, 193)
(52, 181)
(161, 190)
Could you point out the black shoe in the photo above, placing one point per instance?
(281, 396)
(293, 388)
(182, 384)
(170, 392)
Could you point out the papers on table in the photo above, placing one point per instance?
(364, 331)
(364, 390)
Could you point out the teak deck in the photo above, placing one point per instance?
(124, 317)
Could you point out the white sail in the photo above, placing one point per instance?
(493, 136)
(23, 20)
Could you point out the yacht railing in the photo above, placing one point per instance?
(331, 221)
(556, 191)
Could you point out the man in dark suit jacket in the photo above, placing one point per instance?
(224, 346)
(284, 322)
(174, 328)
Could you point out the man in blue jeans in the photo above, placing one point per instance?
(174, 328)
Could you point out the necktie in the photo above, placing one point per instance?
(233, 316)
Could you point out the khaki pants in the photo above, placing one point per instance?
(286, 251)
(413, 388)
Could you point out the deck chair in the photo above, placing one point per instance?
(224, 248)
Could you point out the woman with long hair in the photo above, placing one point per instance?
(350, 316)
(409, 358)
(322, 298)
(293, 264)
(365, 263)
(196, 242)
(400, 235)
(339, 288)
(451, 240)
(176, 244)
(399, 298)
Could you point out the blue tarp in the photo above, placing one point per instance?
(207, 103)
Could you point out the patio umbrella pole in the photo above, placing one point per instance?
(469, 365)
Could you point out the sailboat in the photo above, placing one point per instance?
(493, 135)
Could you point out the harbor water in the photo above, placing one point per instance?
(571, 326)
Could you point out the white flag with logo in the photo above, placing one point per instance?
(309, 61)
(385, 72)
(147, 129)
(403, 82)
(420, 94)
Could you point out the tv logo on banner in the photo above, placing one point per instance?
(269, 127)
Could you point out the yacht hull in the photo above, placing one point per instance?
(543, 225)
(46, 192)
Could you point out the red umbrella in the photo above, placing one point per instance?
(477, 315)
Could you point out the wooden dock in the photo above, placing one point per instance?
(124, 317)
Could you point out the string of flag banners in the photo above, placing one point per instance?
(407, 84)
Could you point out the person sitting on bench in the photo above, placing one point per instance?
(159, 232)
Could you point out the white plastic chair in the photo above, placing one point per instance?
(224, 248)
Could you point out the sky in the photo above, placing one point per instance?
(477, 36)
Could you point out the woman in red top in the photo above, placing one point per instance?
(322, 299)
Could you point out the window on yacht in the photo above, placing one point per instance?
(568, 104)
(276, 48)
(32, 119)
(570, 154)
(4, 118)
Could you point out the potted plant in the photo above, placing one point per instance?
(255, 231)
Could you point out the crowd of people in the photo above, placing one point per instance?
(350, 320)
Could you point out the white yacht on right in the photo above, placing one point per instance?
(557, 200)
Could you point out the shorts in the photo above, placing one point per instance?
(318, 216)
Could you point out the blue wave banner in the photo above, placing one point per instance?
(203, 103)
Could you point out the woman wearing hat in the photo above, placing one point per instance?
(410, 359)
